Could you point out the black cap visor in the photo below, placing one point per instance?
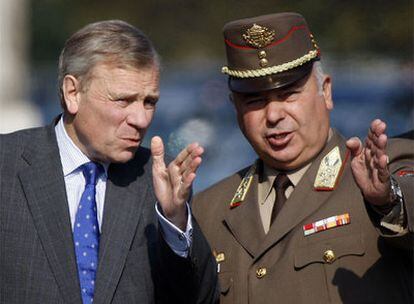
(270, 82)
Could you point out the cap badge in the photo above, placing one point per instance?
(259, 36)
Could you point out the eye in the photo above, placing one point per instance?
(150, 103)
(254, 101)
(291, 95)
(122, 102)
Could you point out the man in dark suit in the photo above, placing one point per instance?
(78, 216)
(316, 219)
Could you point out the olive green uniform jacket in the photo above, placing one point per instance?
(285, 266)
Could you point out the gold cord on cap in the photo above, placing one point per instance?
(273, 69)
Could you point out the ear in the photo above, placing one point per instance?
(71, 93)
(327, 92)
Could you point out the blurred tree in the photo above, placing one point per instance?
(185, 29)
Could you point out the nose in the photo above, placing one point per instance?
(275, 112)
(139, 117)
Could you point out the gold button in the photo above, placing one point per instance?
(220, 257)
(262, 54)
(261, 272)
(329, 256)
(263, 62)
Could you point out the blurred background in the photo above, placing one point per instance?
(367, 47)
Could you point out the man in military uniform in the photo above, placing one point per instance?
(316, 219)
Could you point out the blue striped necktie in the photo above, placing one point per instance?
(86, 233)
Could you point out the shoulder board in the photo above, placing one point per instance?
(330, 169)
(243, 188)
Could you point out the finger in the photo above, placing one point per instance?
(185, 152)
(369, 140)
(188, 181)
(188, 178)
(383, 172)
(197, 152)
(372, 137)
(376, 130)
(369, 146)
(187, 175)
(371, 134)
(174, 173)
(378, 127)
(157, 152)
(174, 167)
(178, 167)
(380, 146)
(354, 144)
(192, 168)
(185, 187)
(368, 159)
(381, 142)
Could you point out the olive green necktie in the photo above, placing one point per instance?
(280, 184)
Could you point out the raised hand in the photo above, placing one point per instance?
(370, 164)
(172, 184)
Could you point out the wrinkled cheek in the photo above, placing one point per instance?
(254, 139)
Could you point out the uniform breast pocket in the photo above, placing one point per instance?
(226, 287)
(317, 263)
(226, 279)
(329, 251)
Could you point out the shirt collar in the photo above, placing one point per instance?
(270, 174)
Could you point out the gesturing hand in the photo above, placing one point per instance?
(172, 184)
(370, 164)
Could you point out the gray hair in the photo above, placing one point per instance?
(112, 42)
(320, 75)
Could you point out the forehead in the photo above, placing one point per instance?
(114, 75)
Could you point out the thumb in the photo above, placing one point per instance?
(157, 151)
(355, 145)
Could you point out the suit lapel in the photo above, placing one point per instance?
(244, 220)
(124, 201)
(304, 200)
(44, 187)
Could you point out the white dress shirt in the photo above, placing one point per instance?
(72, 159)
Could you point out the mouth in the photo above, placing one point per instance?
(279, 140)
(132, 141)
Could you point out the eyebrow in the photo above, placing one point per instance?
(132, 96)
(113, 95)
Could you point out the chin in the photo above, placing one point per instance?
(286, 154)
(282, 161)
(122, 157)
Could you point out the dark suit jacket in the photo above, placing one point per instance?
(369, 267)
(37, 257)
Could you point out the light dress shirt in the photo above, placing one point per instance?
(72, 158)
